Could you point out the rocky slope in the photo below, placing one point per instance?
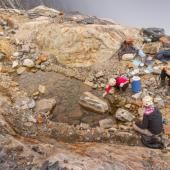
(49, 60)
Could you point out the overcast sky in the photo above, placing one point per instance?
(145, 13)
(141, 13)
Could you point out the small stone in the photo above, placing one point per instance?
(137, 95)
(128, 106)
(158, 62)
(89, 83)
(128, 57)
(36, 93)
(26, 48)
(2, 33)
(45, 105)
(21, 70)
(167, 129)
(112, 129)
(106, 123)
(2, 56)
(15, 64)
(159, 102)
(42, 67)
(16, 54)
(28, 124)
(42, 89)
(123, 127)
(24, 103)
(31, 104)
(31, 119)
(41, 59)
(124, 115)
(84, 126)
(28, 63)
(102, 85)
(99, 74)
(156, 70)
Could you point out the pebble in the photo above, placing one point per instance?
(21, 70)
(16, 54)
(42, 89)
(2, 56)
(106, 123)
(28, 63)
(99, 74)
(84, 126)
(15, 64)
(42, 67)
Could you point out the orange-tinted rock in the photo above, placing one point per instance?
(41, 59)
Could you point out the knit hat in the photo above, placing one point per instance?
(112, 82)
(147, 101)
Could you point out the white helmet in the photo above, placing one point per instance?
(112, 82)
(147, 101)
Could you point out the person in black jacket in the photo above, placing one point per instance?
(151, 127)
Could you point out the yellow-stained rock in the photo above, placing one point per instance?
(6, 47)
(76, 45)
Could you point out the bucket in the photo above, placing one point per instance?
(136, 84)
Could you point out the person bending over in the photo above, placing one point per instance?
(121, 83)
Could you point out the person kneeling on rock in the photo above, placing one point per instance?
(120, 83)
(151, 127)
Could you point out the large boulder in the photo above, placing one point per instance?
(74, 44)
(91, 102)
(124, 115)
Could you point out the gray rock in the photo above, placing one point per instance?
(28, 63)
(31, 104)
(106, 123)
(90, 101)
(124, 115)
(24, 103)
(45, 105)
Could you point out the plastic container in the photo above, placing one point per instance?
(136, 84)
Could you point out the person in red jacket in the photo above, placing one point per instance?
(120, 83)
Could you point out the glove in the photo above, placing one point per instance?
(122, 84)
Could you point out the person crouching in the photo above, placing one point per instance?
(151, 127)
(120, 83)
